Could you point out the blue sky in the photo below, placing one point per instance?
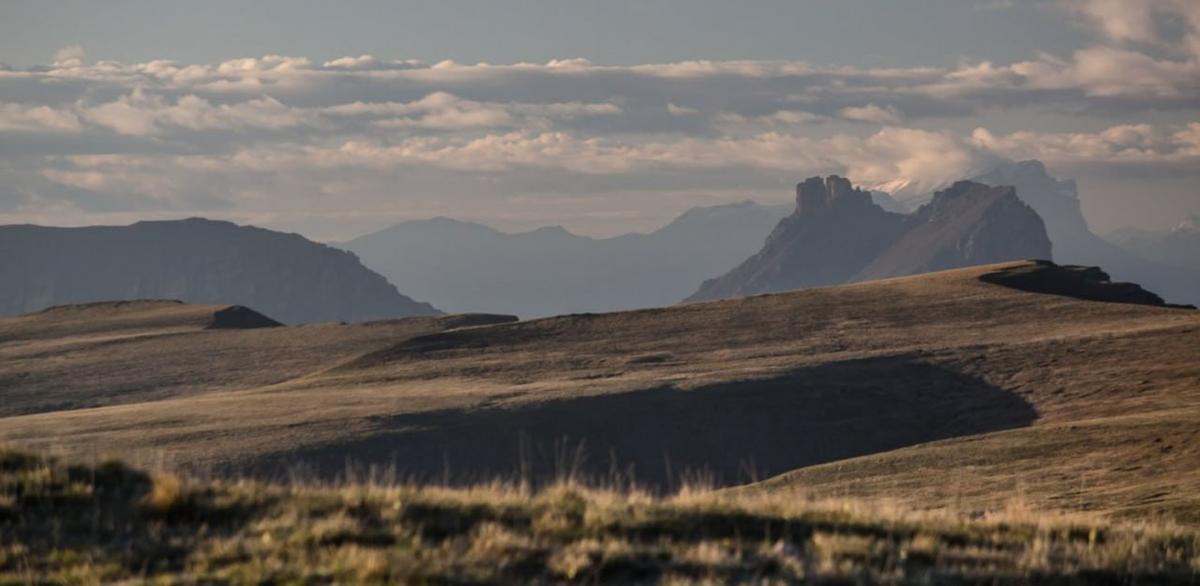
(335, 119)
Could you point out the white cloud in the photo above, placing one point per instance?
(680, 110)
(71, 56)
(131, 114)
(32, 118)
(887, 115)
(925, 159)
(1128, 143)
(141, 114)
(1139, 21)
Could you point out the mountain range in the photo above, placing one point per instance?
(837, 235)
(464, 266)
(287, 277)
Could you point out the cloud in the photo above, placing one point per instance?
(1143, 21)
(1123, 144)
(33, 118)
(872, 113)
(263, 135)
(923, 159)
(69, 56)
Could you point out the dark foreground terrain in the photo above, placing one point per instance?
(111, 523)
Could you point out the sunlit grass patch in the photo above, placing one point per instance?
(72, 524)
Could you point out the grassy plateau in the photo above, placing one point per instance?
(945, 428)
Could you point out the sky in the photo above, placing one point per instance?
(337, 119)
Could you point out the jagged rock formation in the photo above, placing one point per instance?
(285, 276)
(1080, 282)
(839, 235)
(472, 267)
(967, 224)
(1057, 202)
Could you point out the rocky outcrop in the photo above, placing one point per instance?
(839, 235)
(1057, 202)
(237, 317)
(834, 233)
(1079, 282)
(285, 276)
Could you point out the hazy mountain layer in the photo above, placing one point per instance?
(471, 267)
(285, 276)
(1178, 248)
(839, 235)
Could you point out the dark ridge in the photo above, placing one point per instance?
(1080, 282)
(237, 317)
(106, 305)
(467, 320)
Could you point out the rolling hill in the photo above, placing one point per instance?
(935, 376)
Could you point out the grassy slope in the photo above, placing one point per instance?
(75, 524)
(130, 352)
(745, 388)
(1144, 466)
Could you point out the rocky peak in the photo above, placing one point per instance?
(963, 194)
(839, 235)
(816, 196)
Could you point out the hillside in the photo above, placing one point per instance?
(109, 353)
(734, 391)
(838, 234)
(549, 271)
(109, 523)
(284, 276)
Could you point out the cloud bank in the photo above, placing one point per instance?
(368, 140)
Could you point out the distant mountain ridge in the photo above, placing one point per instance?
(1179, 247)
(466, 266)
(838, 234)
(285, 276)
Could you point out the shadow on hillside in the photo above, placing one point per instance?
(723, 434)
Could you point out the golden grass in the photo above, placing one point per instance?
(77, 524)
(938, 390)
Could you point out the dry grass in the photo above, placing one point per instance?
(75, 524)
(936, 390)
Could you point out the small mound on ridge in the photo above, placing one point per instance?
(1080, 282)
(239, 317)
